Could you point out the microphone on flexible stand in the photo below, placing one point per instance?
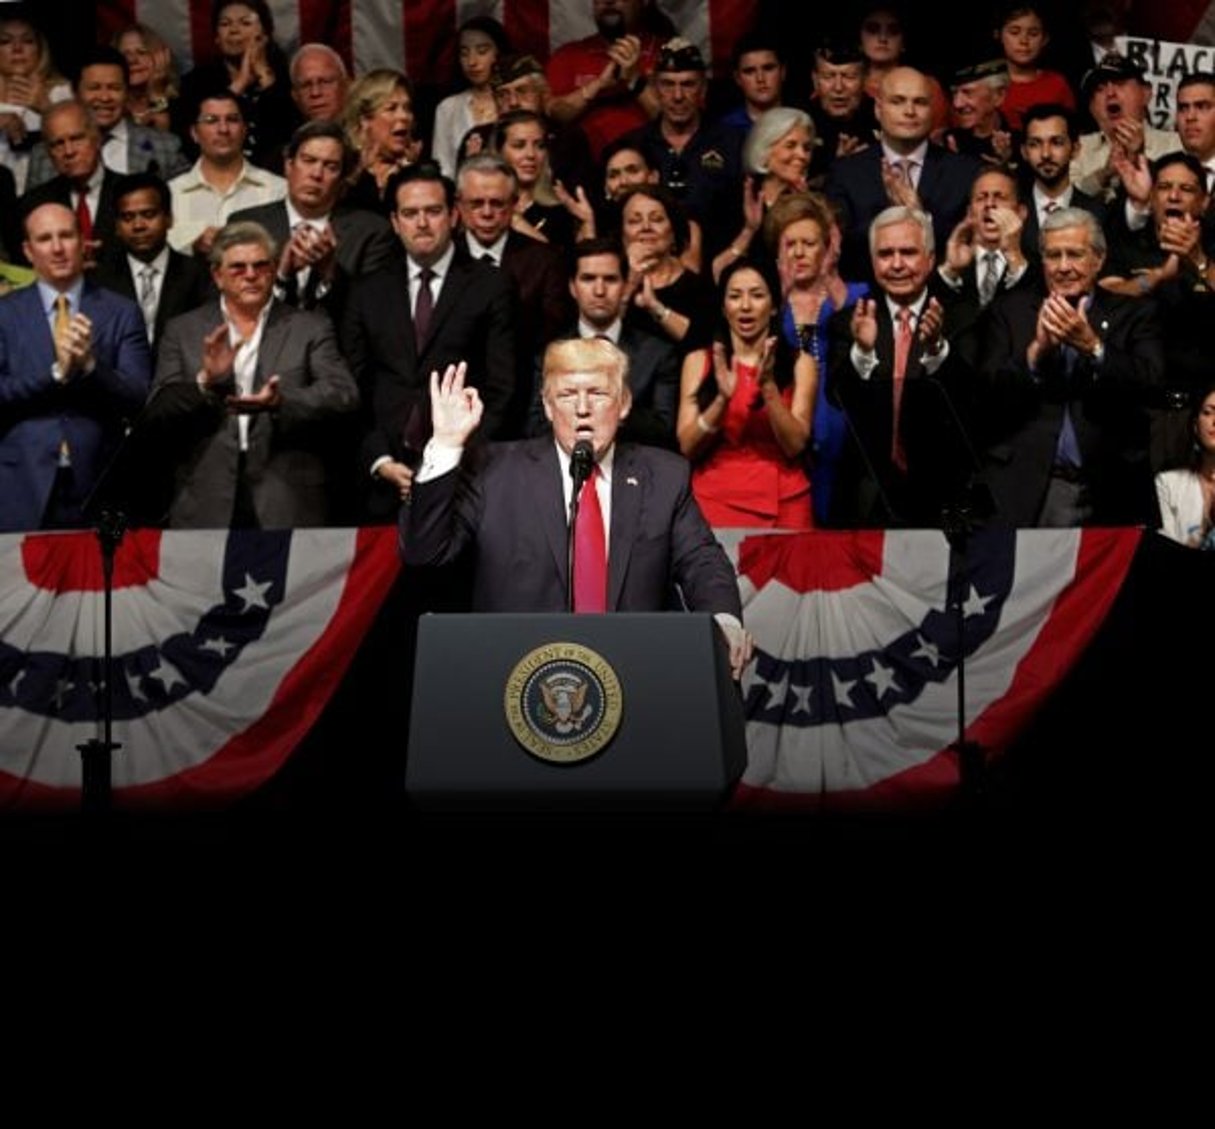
(582, 463)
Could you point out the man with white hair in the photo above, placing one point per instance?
(319, 82)
(883, 352)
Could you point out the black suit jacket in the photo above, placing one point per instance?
(472, 321)
(59, 191)
(1105, 401)
(365, 244)
(10, 218)
(1031, 232)
(543, 307)
(187, 285)
(934, 426)
(855, 183)
(511, 512)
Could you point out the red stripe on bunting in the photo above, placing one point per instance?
(250, 758)
(1175, 21)
(729, 21)
(810, 562)
(430, 42)
(71, 562)
(1102, 563)
(112, 17)
(202, 38)
(527, 26)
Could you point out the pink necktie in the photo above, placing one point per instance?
(902, 353)
(590, 551)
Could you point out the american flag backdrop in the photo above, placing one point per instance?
(419, 36)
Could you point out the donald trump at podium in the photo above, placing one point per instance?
(640, 540)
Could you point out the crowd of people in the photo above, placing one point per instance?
(863, 295)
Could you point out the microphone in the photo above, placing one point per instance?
(582, 462)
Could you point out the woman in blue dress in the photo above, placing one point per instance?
(801, 233)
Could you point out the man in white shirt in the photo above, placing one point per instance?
(221, 182)
(1117, 94)
(247, 394)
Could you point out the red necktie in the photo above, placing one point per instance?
(902, 353)
(84, 218)
(590, 551)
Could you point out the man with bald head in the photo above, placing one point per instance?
(74, 363)
(904, 169)
(319, 81)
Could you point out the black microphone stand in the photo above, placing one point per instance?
(96, 753)
(964, 505)
(582, 462)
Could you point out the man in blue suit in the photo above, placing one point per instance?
(74, 364)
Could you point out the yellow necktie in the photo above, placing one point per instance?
(62, 319)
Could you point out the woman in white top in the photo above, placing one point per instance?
(1187, 495)
(482, 43)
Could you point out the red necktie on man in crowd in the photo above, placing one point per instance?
(84, 218)
(590, 551)
(902, 353)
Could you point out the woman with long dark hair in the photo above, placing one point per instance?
(745, 411)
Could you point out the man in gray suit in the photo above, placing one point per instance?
(125, 146)
(246, 392)
(324, 245)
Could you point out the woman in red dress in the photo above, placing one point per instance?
(745, 412)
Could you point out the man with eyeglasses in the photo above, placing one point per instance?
(221, 182)
(247, 393)
(319, 82)
(486, 193)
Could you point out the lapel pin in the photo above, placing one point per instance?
(632, 481)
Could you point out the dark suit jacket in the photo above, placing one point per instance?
(933, 426)
(511, 513)
(543, 305)
(187, 285)
(288, 448)
(10, 218)
(59, 191)
(37, 413)
(365, 243)
(472, 321)
(1105, 402)
(148, 150)
(1031, 232)
(855, 183)
(654, 366)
